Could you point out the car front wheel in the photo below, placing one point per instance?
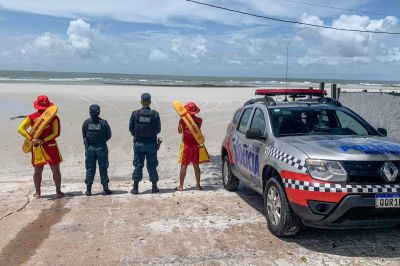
(231, 182)
(282, 221)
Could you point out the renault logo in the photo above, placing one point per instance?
(389, 171)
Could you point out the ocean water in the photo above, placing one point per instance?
(175, 81)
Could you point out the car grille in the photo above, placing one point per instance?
(370, 213)
(366, 172)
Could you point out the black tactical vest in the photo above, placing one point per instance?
(96, 132)
(145, 124)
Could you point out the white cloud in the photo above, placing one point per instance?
(156, 55)
(80, 37)
(49, 42)
(189, 48)
(79, 43)
(345, 44)
(248, 51)
(310, 19)
(198, 48)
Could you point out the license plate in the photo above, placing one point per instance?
(387, 200)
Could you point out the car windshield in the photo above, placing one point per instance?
(296, 121)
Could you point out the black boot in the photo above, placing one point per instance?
(135, 189)
(154, 188)
(88, 191)
(106, 190)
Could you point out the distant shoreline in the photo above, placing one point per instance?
(71, 78)
(358, 87)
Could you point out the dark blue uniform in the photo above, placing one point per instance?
(96, 132)
(144, 126)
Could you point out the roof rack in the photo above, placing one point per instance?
(329, 100)
(266, 100)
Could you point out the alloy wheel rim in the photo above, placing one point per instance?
(274, 205)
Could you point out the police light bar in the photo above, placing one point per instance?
(291, 92)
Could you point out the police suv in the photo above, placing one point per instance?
(314, 161)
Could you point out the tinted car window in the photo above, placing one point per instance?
(236, 116)
(244, 120)
(258, 121)
(296, 121)
(349, 122)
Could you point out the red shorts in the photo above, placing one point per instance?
(190, 154)
(51, 149)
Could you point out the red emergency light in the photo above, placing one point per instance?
(291, 92)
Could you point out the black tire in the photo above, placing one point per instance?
(231, 182)
(289, 223)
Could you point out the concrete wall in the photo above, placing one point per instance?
(379, 109)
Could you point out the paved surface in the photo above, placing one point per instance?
(209, 227)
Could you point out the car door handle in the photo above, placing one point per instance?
(245, 145)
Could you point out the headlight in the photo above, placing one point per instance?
(331, 171)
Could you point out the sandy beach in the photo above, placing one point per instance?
(117, 103)
(212, 227)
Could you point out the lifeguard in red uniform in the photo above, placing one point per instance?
(48, 144)
(190, 151)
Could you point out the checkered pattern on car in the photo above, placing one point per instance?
(287, 158)
(339, 188)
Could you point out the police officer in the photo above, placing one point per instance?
(96, 132)
(144, 126)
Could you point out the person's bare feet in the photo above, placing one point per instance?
(198, 187)
(60, 194)
(179, 188)
(37, 195)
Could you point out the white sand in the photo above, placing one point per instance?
(117, 102)
(212, 226)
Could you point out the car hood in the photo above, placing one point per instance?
(352, 148)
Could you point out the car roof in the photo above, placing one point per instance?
(303, 105)
(320, 103)
(313, 105)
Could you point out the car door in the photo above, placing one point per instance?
(238, 138)
(254, 146)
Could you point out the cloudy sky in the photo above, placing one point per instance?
(175, 37)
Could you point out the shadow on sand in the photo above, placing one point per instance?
(381, 243)
(115, 192)
(70, 194)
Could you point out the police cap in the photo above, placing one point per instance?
(146, 97)
(94, 108)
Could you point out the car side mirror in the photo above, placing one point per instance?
(382, 131)
(254, 133)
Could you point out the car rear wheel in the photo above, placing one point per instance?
(231, 182)
(280, 218)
